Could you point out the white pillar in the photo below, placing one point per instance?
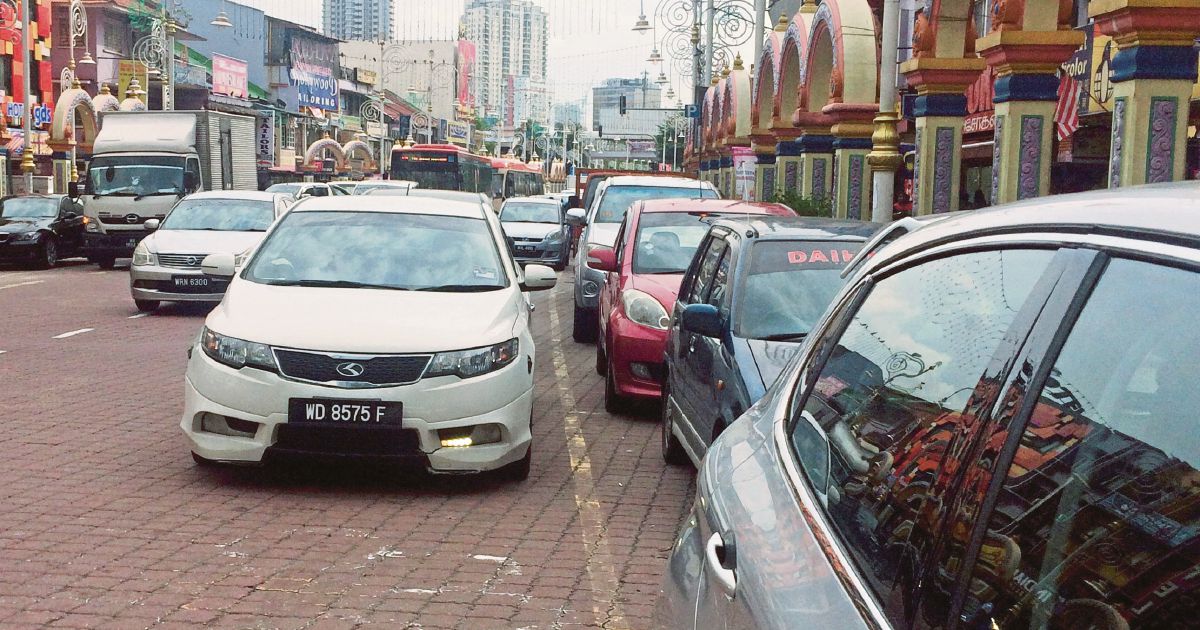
(883, 180)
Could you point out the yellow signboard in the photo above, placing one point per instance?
(1099, 85)
(127, 70)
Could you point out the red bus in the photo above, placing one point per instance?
(442, 167)
(514, 178)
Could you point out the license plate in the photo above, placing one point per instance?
(191, 282)
(527, 250)
(132, 242)
(345, 412)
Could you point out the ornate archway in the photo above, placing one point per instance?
(317, 150)
(358, 147)
(75, 109)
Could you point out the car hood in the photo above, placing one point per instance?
(603, 234)
(201, 242)
(18, 225)
(365, 320)
(771, 357)
(529, 230)
(664, 287)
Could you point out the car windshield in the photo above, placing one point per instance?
(617, 199)
(367, 188)
(380, 250)
(666, 241)
(135, 175)
(28, 207)
(284, 188)
(225, 215)
(788, 286)
(528, 212)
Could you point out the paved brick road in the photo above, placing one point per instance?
(106, 523)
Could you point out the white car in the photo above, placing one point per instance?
(374, 327)
(309, 189)
(366, 186)
(166, 264)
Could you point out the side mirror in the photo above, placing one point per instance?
(702, 319)
(574, 202)
(576, 216)
(602, 259)
(152, 224)
(538, 278)
(73, 190)
(220, 265)
(189, 181)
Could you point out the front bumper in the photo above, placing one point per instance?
(155, 282)
(587, 284)
(640, 346)
(117, 244)
(504, 397)
(550, 254)
(18, 250)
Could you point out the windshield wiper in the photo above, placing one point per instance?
(333, 284)
(783, 337)
(462, 288)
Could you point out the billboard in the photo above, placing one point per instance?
(466, 71)
(229, 76)
(311, 71)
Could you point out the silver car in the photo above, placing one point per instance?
(536, 230)
(166, 264)
(993, 426)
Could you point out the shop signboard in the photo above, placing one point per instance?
(127, 70)
(266, 138)
(311, 71)
(229, 76)
(466, 68)
(458, 133)
(187, 74)
(365, 77)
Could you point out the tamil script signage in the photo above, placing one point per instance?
(229, 76)
(312, 64)
(458, 133)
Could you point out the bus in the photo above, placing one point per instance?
(513, 178)
(442, 167)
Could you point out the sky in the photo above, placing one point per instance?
(589, 40)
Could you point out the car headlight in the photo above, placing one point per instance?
(643, 309)
(27, 236)
(236, 353)
(553, 237)
(90, 225)
(143, 256)
(473, 362)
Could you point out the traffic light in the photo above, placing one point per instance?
(623, 105)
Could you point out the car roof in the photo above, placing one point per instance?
(713, 205)
(773, 227)
(237, 194)
(398, 204)
(37, 196)
(1159, 212)
(542, 200)
(659, 181)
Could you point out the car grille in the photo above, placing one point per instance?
(126, 219)
(377, 371)
(181, 261)
(308, 439)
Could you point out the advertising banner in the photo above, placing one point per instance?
(458, 133)
(311, 72)
(743, 169)
(266, 138)
(466, 68)
(128, 70)
(229, 76)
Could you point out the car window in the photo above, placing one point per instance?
(788, 286)
(529, 212)
(338, 190)
(889, 400)
(1096, 521)
(209, 214)
(708, 266)
(720, 284)
(619, 242)
(617, 199)
(667, 241)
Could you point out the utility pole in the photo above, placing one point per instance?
(885, 156)
(27, 123)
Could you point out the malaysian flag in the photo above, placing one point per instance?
(1066, 112)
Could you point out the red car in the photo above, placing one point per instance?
(654, 248)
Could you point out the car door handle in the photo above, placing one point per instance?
(722, 575)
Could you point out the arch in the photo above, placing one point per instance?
(358, 146)
(737, 110)
(326, 144)
(791, 60)
(949, 30)
(843, 60)
(132, 104)
(105, 101)
(75, 108)
(765, 82)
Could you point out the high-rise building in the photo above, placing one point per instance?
(510, 51)
(643, 101)
(369, 20)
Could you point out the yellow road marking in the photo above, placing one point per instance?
(600, 571)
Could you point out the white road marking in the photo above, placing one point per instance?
(600, 570)
(20, 284)
(73, 333)
(491, 558)
(3, 351)
(138, 316)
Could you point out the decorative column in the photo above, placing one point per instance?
(1152, 74)
(764, 167)
(851, 144)
(940, 107)
(61, 162)
(787, 166)
(816, 165)
(1026, 94)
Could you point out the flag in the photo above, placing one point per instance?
(1066, 112)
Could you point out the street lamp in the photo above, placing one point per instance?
(642, 25)
(27, 123)
(157, 51)
(222, 19)
(77, 28)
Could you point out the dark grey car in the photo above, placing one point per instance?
(994, 426)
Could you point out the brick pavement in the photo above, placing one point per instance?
(106, 523)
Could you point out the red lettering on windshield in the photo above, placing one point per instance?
(797, 258)
(818, 256)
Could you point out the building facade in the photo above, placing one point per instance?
(510, 43)
(643, 102)
(369, 20)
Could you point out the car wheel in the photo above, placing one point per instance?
(601, 360)
(146, 306)
(672, 449)
(106, 262)
(48, 256)
(203, 462)
(583, 329)
(613, 401)
(519, 470)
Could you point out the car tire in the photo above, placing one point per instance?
(47, 253)
(601, 360)
(146, 306)
(106, 262)
(203, 462)
(584, 326)
(613, 401)
(519, 470)
(672, 449)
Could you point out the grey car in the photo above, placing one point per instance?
(537, 231)
(993, 426)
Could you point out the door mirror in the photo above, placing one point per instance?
(220, 265)
(576, 216)
(702, 319)
(152, 224)
(189, 181)
(602, 259)
(574, 202)
(73, 190)
(539, 278)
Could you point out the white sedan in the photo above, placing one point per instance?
(375, 327)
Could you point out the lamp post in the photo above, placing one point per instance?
(885, 156)
(157, 51)
(27, 123)
(77, 28)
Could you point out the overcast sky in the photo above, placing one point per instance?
(590, 40)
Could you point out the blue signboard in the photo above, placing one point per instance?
(311, 72)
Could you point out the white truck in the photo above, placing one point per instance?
(144, 162)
